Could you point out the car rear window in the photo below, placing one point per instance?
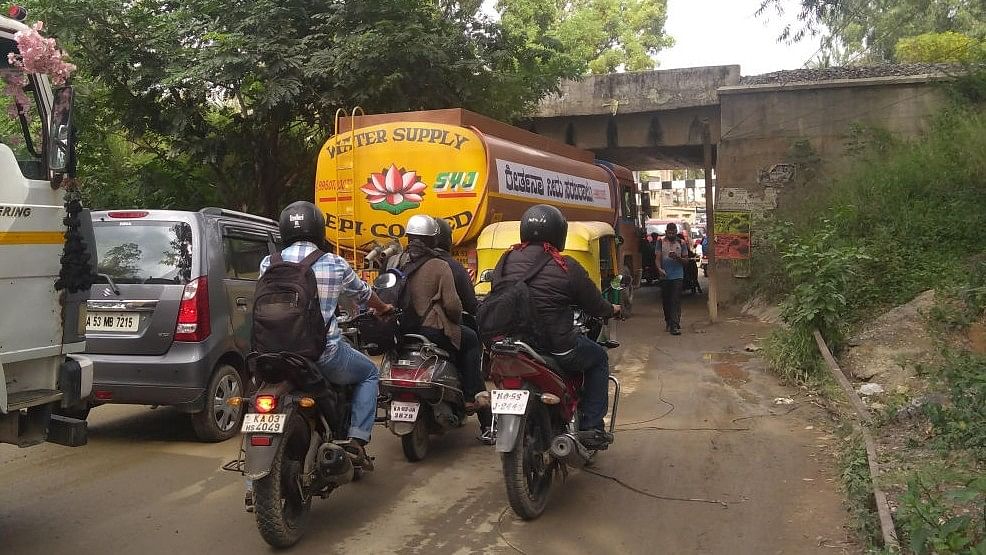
(144, 252)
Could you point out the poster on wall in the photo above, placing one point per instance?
(732, 234)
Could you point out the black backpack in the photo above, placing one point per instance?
(287, 315)
(377, 336)
(509, 310)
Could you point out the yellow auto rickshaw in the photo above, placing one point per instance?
(592, 244)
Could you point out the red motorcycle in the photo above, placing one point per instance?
(536, 410)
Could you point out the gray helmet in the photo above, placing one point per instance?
(421, 226)
(301, 221)
(543, 223)
(444, 241)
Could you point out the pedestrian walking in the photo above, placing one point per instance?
(670, 258)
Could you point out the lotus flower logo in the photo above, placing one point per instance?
(394, 190)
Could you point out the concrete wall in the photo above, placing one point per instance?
(780, 142)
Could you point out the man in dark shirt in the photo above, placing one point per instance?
(561, 284)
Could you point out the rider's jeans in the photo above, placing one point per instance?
(347, 366)
(592, 360)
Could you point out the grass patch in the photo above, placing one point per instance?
(857, 485)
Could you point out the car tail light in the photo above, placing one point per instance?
(265, 403)
(260, 441)
(193, 313)
(127, 214)
(512, 383)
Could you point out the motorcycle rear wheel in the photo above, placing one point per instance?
(526, 473)
(415, 444)
(281, 507)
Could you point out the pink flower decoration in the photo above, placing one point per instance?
(39, 54)
(394, 187)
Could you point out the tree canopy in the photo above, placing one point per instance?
(227, 101)
(868, 31)
(606, 35)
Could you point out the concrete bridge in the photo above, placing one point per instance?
(775, 136)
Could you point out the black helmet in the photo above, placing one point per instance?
(544, 223)
(301, 221)
(444, 241)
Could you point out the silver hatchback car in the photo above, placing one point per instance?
(169, 316)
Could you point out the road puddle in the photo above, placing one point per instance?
(730, 366)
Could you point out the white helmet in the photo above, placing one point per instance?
(422, 226)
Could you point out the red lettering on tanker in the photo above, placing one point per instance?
(331, 190)
(394, 190)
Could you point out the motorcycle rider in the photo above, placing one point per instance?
(471, 352)
(434, 299)
(560, 285)
(302, 227)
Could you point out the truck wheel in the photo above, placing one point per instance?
(220, 421)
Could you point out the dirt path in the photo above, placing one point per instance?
(716, 465)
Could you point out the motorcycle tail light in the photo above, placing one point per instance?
(404, 383)
(512, 383)
(265, 403)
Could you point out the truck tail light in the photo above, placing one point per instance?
(193, 313)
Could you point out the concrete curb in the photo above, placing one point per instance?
(882, 506)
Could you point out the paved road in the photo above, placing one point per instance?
(709, 462)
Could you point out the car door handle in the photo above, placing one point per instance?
(241, 302)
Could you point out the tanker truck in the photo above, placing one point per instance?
(45, 264)
(379, 170)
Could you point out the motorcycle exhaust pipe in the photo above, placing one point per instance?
(334, 463)
(568, 450)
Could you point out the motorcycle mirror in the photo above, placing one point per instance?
(385, 280)
(486, 276)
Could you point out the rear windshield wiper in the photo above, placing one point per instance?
(109, 280)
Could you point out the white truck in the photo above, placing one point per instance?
(45, 261)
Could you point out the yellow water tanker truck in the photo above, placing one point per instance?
(379, 170)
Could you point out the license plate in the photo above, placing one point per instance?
(263, 423)
(510, 401)
(112, 321)
(403, 411)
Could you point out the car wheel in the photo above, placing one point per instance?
(220, 420)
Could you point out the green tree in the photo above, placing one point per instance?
(211, 99)
(599, 35)
(940, 47)
(853, 31)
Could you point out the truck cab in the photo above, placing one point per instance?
(44, 261)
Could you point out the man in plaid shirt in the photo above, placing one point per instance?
(302, 227)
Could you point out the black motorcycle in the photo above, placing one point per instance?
(294, 443)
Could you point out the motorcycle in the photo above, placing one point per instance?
(421, 387)
(537, 418)
(293, 447)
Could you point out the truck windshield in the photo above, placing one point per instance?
(20, 123)
(144, 252)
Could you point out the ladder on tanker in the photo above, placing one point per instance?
(346, 188)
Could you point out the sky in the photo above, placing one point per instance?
(723, 32)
